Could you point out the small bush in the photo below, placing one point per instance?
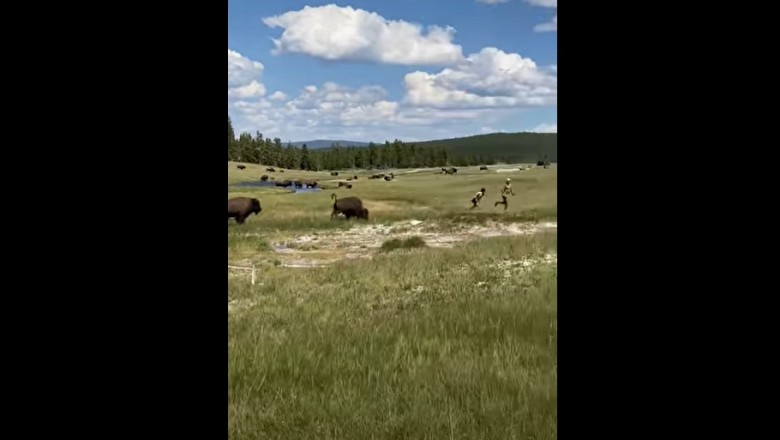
(409, 243)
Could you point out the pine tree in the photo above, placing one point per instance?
(305, 165)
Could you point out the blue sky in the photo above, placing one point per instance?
(371, 70)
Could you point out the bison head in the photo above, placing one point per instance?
(363, 213)
(256, 206)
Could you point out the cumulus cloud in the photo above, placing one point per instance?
(489, 78)
(244, 77)
(344, 33)
(335, 111)
(546, 128)
(331, 110)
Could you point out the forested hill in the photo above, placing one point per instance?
(503, 147)
(485, 149)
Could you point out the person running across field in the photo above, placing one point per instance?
(507, 189)
(477, 198)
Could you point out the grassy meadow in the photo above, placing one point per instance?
(415, 343)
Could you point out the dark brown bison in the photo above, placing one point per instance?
(264, 177)
(349, 206)
(355, 177)
(270, 169)
(483, 168)
(241, 167)
(242, 207)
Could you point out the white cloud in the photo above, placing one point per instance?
(251, 90)
(331, 110)
(344, 33)
(544, 3)
(550, 26)
(492, 2)
(244, 77)
(489, 78)
(364, 113)
(545, 128)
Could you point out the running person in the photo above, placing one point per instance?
(477, 197)
(507, 189)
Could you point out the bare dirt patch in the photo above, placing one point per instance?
(362, 241)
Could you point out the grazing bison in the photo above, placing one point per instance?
(483, 168)
(388, 178)
(355, 177)
(349, 206)
(334, 173)
(242, 207)
(271, 169)
(241, 167)
(310, 183)
(264, 178)
(377, 176)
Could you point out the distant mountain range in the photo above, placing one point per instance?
(323, 143)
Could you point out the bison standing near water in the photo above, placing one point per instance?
(242, 207)
(349, 206)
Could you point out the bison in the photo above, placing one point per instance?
(241, 167)
(242, 207)
(264, 178)
(349, 206)
(483, 168)
(270, 169)
(334, 173)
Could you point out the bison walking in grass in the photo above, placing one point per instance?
(349, 206)
(242, 207)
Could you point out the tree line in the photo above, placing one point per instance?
(397, 154)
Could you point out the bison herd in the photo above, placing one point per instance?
(240, 208)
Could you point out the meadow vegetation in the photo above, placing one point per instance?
(418, 342)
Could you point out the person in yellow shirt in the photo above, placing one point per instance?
(506, 190)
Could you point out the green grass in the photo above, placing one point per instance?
(422, 195)
(397, 243)
(426, 343)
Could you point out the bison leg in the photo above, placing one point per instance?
(240, 219)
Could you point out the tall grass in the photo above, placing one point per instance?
(430, 343)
